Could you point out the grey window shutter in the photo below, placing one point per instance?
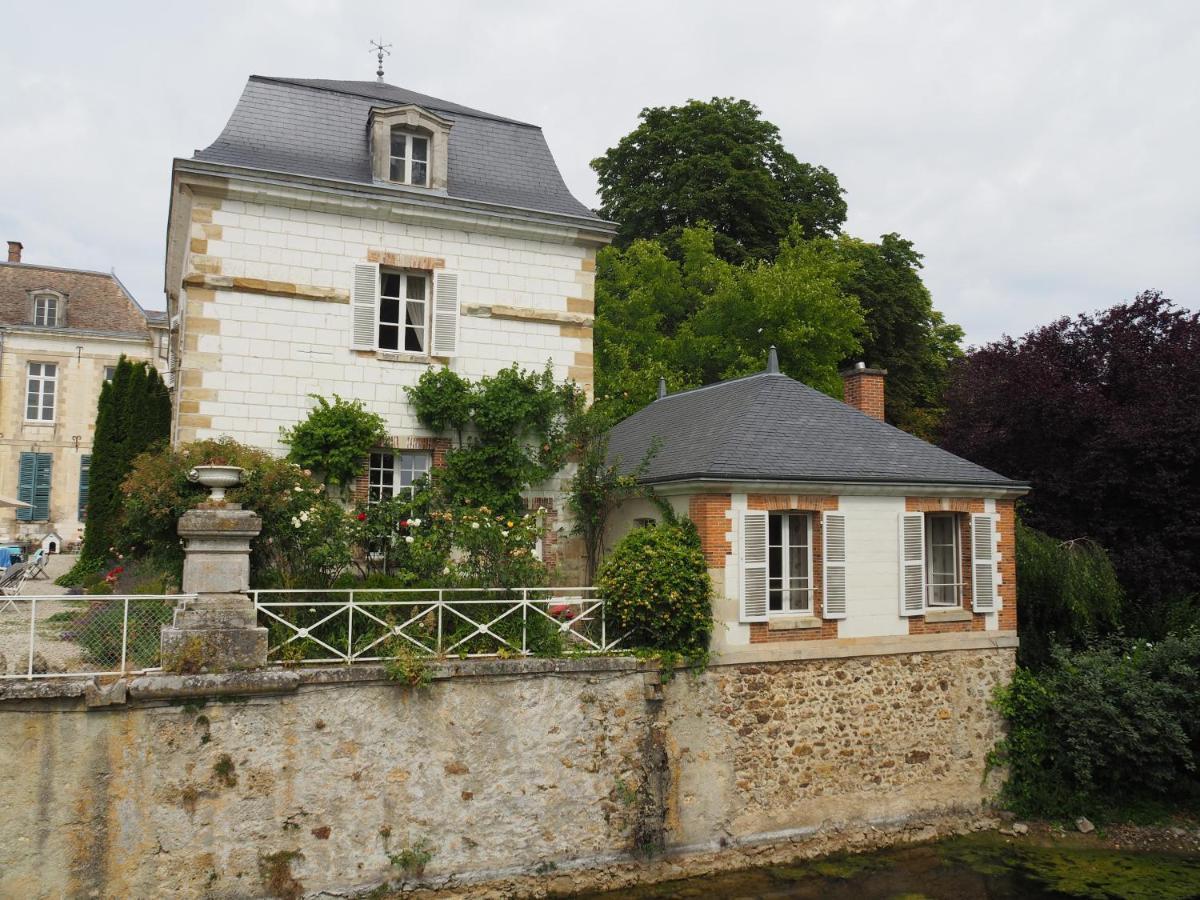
(445, 314)
(912, 564)
(753, 547)
(983, 563)
(364, 299)
(834, 565)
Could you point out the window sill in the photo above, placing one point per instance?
(403, 357)
(49, 424)
(793, 623)
(948, 615)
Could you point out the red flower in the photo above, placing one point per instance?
(404, 523)
(362, 517)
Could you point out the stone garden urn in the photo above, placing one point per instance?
(216, 478)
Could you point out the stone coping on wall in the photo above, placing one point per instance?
(165, 687)
(843, 648)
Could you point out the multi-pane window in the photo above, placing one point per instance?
(110, 372)
(402, 311)
(392, 474)
(45, 310)
(943, 560)
(410, 158)
(789, 563)
(39, 392)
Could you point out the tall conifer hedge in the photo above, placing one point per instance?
(134, 415)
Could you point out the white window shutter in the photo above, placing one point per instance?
(445, 314)
(364, 297)
(753, 606)
(912, 564)
(834, 565)
(983, 563)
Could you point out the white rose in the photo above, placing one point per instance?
(475, 525)
(408, 539)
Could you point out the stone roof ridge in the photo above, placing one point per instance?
(364, 89)
(716, 384)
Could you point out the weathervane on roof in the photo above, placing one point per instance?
(380, 48)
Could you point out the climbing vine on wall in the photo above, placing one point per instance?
(512, 431)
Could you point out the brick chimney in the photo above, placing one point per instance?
(862, 388)
(14, 251)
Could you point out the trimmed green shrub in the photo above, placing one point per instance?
(335, 438)
(657, 586)
(1103, 728)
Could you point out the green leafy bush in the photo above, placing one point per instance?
(657, 586)
(1067, 593)
(305, 538)
(1103, 727)
(335, 438)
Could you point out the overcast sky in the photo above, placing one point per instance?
(1043, 157)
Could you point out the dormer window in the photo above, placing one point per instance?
(47, 309)
(410, 158)
(410, 146)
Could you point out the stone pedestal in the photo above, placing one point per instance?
(217, 631)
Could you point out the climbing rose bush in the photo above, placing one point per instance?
(657, 586)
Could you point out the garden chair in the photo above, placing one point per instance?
(37, 565)
(11, 583)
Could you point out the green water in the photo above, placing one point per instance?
(978, 867)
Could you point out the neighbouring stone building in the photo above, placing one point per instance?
(61, 334)
(819, 521)
(343, 236)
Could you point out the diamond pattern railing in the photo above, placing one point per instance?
(371, 625)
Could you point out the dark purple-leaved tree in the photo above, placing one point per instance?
(1101, 414)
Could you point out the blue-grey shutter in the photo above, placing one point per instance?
(85, 471)
(34, 487)
(25, 487)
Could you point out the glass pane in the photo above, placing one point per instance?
(389, 310)
(942, 561)
(389, 337)
(798, 562)
(775, 562)
(31, 410)
(798, 530)
(941, 529)
(420, 149)
(775, 603)
(49, 369)
(391, 285)
(35, 368)
(398, 139)
(396, 170)
(419, 170)
(415, 289)
(775, 528)
(414, 313)
(414, 340)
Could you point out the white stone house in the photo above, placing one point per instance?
(820, 522)
(62, 332)
(339, 237)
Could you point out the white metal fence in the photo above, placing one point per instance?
(66, 636)
(371, 625)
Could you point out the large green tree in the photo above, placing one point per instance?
(904, 333)
(717, 162)
(133, 415)
(699, 318)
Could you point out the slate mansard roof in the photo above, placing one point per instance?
(97, 302)
(318, 128)
(769, 427)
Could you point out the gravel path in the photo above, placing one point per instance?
(14, 623)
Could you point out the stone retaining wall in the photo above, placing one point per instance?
(525, 776)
